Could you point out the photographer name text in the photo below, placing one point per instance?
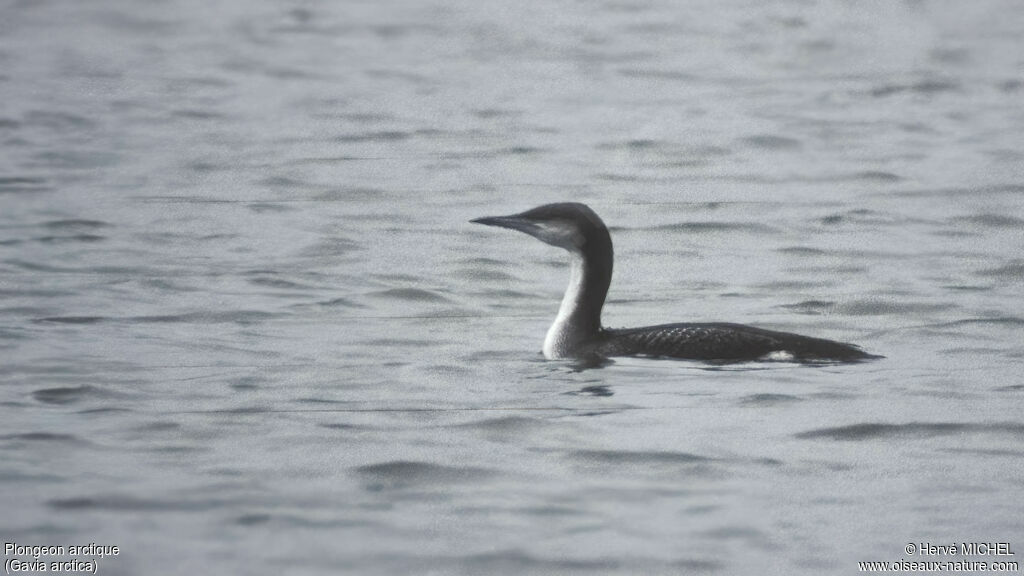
(960, 549)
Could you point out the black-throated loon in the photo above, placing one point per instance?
(577, 331)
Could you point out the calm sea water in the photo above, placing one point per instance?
(245, 326)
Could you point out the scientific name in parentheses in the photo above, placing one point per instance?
(965, 549)
(14, 565)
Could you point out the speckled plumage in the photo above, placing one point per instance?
(721, 341)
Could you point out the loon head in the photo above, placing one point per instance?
(576, 228)
(569, 225)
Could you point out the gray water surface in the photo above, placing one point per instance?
(246, 327)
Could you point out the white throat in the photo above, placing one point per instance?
(566, 332)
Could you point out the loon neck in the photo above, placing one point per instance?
(579, 317)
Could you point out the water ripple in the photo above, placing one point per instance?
(402, 473)
(873, 430)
